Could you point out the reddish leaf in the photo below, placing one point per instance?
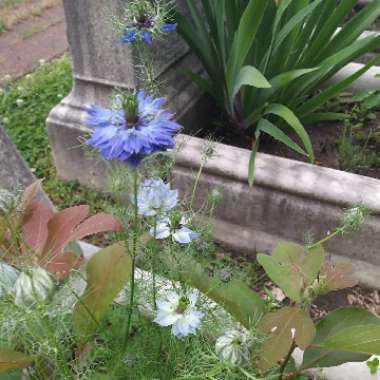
(10, 359)
(61, 265)
(96, 224)
(283, 327)
(30, 194)
(35, 228)
(61, 227)
(337, 276)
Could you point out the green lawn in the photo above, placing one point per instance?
(25, 124)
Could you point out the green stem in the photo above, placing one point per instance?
(196, 183)
(328, 237)
(134, 248)
(154, 291)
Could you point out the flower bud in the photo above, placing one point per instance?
(233, 347)
(33, 286)
(8, 277)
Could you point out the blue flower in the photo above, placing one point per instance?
(155, 197)
(118, 135)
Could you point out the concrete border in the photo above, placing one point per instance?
(288, 199)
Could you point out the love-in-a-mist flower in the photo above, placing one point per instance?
(233, 347)
(136, 127)
(33, 286)
(179, 311)
(155, 197)
(174, 227)
(145, 20)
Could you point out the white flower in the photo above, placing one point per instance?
(233, 347)
(42, 62)
(180, 312)
(19, 102)
(5, 120)
(155, 197)
(180, 233)
(2, 91)
(8, 277)
(28, 76)
(33, 286)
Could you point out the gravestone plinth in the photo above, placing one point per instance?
(15, 174)
(102, 63)
(14, 171)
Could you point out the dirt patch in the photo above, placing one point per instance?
(14, 12)
(41, 37)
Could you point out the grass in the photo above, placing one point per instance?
(25, 124)
(14, 11)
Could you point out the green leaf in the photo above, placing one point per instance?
(10, 359)
(249, 76)
(373, 366)
(292, 267)
(283, 327)
(334, 90)
(107, 274)
(12, 375)
(271, 130)
(252, 159)
(235, 296)
(333, 325)
(371, 102)
(286, 114)
(282, 80)
(363, 339)
(318, 117)
(243, 40)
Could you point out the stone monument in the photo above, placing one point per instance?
(100, 64)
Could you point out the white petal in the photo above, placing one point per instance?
(162, 231)
(185, 235)
(166, 319)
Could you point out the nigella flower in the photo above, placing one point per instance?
(169, 227)
(144, 20)
(8, 277)
(155, 197)
(233, 347)
(136, 128)
(180, 312)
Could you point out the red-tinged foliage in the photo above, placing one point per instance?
(45, 234)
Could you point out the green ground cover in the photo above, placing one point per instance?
(24, 107)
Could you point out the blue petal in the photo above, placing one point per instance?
(129, 37)
(147, 37)
(167, 28)
(103, 117)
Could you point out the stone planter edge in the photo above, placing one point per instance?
(322, 192)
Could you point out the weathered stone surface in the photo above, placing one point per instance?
(14, 172)
(289, 198)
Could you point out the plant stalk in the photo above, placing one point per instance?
(134, 248)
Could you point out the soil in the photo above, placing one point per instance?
(326, 137)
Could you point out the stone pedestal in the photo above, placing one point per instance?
(101, 63)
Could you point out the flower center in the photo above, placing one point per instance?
(144, 21)
(130, 106)
(183, 304)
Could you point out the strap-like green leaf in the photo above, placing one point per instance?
(270, 129)
(249, 76)
(291, 119)
(249, 24)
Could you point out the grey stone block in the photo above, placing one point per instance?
(14, 171)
